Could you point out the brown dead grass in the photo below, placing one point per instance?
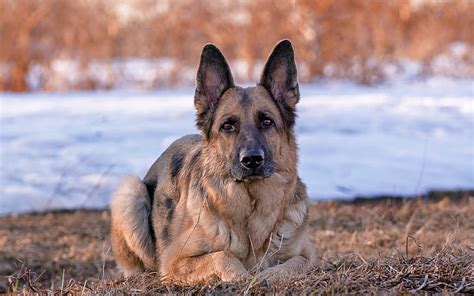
(385, 246)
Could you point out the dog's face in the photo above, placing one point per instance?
(246, 126)
(247, 129)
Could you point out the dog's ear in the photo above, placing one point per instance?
(213, 78)
(279, 77)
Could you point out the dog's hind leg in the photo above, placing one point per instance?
(132, 241)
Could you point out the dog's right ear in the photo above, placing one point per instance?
(213, 79)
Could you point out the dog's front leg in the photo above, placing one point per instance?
(285, 271)
(218, 265)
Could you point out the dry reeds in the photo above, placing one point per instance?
(343, 38)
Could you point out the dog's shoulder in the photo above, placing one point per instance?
(168, 166)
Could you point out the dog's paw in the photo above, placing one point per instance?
(272, 275)
(235, 276)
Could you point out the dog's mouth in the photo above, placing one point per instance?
(252, 176)
(240, 173)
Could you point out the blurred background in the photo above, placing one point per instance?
(90, 44)
(92, 90)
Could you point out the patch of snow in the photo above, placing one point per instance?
(71, 150)
(456, 61)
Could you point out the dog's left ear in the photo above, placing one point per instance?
(213, 79)
(280, 78)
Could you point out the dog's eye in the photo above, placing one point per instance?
(228, 127)
(267, 122)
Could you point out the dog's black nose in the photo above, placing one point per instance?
(252, 159)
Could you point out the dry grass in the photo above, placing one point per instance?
(384, 246)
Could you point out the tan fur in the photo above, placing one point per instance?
(130, 208)
(206, 225)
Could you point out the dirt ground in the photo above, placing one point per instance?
(387, 245)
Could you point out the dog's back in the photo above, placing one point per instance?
(167, 167)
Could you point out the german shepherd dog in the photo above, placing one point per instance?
(227, 203)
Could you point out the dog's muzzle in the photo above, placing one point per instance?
(252, 165)
(252, 159)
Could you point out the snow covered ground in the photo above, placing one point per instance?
(68, 150)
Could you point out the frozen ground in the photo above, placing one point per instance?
(70, 150)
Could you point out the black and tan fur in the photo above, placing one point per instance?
(227, 203)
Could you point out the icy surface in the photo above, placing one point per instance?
(70, 150)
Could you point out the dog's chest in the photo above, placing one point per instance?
(252, 214)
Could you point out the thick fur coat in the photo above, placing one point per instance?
(228, 203)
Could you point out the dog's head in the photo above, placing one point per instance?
(247, 127)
